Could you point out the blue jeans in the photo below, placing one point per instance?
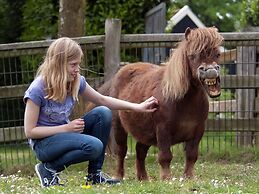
(63, 149)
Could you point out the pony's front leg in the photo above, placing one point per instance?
(164, 155)
(164, 158)
(191, 154)
(191, 151)
(141, 153)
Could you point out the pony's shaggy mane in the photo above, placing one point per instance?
(200, 41)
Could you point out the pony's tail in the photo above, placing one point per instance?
(105, 89)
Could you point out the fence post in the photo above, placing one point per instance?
(112, 47)
(111, 61)
(257, 106)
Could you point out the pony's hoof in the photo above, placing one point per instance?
(188, 175)
(143, 178)
(166, 177)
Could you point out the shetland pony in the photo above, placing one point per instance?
(182, 88)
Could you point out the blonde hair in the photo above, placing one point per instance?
(54, 69)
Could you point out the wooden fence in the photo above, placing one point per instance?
(238, 114)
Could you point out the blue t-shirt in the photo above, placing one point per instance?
(51, 113)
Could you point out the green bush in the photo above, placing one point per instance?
(130, 12)
(40, 20)
(250, 13)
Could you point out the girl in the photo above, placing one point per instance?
(56, 141)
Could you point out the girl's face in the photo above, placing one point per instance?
(73, 69)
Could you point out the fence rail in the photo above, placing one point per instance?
(235, 114)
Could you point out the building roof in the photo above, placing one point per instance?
(186, 11)
(182, 19)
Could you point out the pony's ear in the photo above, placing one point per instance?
(187, 32)
(215, 28)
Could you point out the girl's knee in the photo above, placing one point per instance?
(105, 112)
(94, 148)
(97, 150)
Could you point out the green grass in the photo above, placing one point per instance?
(211, 177)
(12, 155)
(213, 145)
(222, 167)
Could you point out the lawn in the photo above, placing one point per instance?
(212, 176)
(222, 167)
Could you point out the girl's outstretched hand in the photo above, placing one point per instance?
(149, 105)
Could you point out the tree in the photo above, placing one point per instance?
(71, 18)
(130, 12)
(40, 20)
(250, 13)
(10, 22)
(40, 17)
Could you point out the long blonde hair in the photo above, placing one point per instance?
(54, 69)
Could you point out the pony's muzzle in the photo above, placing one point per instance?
(208, 71)
(209, 75)
(212, 73)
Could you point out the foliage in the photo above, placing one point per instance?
(10, 22)
(224, 14)
(40, 19)
(30, 64)
(131, 12)
(250, 13)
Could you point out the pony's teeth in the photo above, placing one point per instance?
(210, 82)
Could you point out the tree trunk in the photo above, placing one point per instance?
(71, 24)
(71, 18)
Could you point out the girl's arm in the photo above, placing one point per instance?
(32, 131)
(149, 105)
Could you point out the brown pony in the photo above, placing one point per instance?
(181, 86)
